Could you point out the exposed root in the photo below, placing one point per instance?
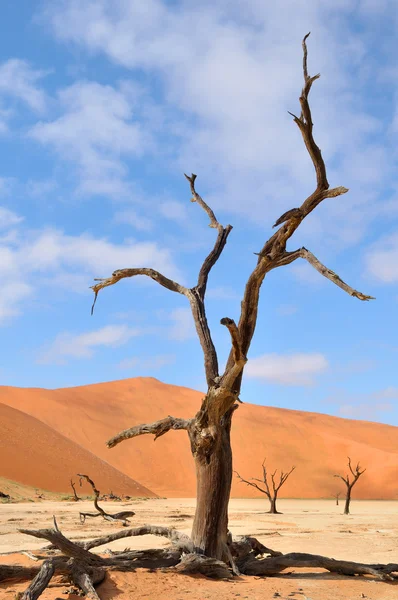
(246, 554)
(210, 567)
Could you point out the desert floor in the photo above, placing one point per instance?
(368, 535)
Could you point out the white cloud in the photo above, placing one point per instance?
(130, 217)
(68, 345)
(286, 310)
(290, 369)
(221, 293)
(96, 130)
(251, 54)
(12, 294)
(367, 412)
(382, 259)
(182, 327)
(8, 218)
(52, 259)
(175, 211)
(368, 406)
(147, 364)
(19, 80)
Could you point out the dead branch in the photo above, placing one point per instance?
(178, 539)
(275, 565)
(75, 496)
(274, 254)
(120, 516)
(40, 582)
(86, 580)
(253, 484)
(251, 557)
(223, 233)
(123, 273)
(289, 257)
(158, 428)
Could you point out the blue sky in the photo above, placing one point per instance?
(105, 104)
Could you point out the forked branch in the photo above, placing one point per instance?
(223, 233)
(356, 473)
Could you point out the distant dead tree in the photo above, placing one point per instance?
(75, 496)
(337, 496)
(121, 516)
(350, 483)
(271, 494)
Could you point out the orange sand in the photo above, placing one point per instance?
(317, 444)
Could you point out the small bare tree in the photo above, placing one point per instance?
(337, 496)
(271, 494)
(350, 483)
(75, 496)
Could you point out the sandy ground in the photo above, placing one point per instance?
(369, 535)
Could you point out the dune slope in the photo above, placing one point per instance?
(33, 454)
(318, 445)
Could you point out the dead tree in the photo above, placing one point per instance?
(350, 483)
(337, 496)
(209, 429)
(211, 547)
(120, 516)
(75, 496)
(276, 485)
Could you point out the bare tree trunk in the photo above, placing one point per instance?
(214, 478)
(272, 509)
(347, 502)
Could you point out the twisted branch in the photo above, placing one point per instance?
(158, 428)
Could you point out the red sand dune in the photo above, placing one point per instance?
(317, 444)
(34, 454)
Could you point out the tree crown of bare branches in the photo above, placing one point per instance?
(356, 473)
(272, 255)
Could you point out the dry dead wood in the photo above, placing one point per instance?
(120, 516)
(272, 494)
(356, 473)
(251, 557)
(73, 486)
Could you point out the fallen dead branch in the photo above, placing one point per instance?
(247, 555)
(120, 516)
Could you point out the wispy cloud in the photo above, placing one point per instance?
(152, 363)
(96, 130)
(131, 217)
(382, 259)
(367, 406)
(182, 327)
(19, 80)
(31, 259)
(287, 369)
(8, 218)
(252, 54)
(71, 346)
(12, 295)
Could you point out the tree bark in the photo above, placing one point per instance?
(272, 509)
(214, 478)
(347, 502)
